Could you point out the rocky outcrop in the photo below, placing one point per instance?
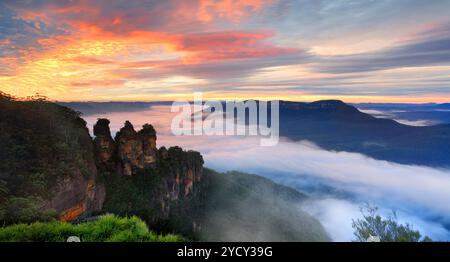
(132, 151)
(147, 136)
(136, 150)
(165, 182)
(129, 149)
(104, 145)
(129, 152)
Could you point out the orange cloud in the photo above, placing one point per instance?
(98, 83)
(149, 23)
(229, 45)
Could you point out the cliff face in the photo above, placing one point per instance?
(47, 166)
(79, 193)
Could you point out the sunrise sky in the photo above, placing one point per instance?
(357, 51)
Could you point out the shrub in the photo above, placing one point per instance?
(107, 228)
(387, 229)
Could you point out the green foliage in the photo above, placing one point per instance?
(24, 209)
(107, 228)
(145, 194)
(131, 195)
(3, 190)
(387, 229)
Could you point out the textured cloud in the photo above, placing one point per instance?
(425, 47)
(234, 45)
(425, 53)
(123, 16)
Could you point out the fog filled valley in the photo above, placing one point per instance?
(117, 171)
(337, 182)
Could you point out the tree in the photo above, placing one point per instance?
(387, 229)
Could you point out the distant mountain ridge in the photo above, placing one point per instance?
(335, 125)
(90, 107)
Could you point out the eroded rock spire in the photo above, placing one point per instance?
(105, 147)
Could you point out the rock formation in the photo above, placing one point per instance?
(104, 145)
(179, 173)
(147, 135)
(129, 149)
(136, 150)
(133, 151)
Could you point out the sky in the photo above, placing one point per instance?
(353, 50)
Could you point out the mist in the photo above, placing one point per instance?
(256, 211)
(338, 182)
